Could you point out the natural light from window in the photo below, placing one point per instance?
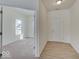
(19, 28)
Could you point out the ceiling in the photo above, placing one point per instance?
(26, 4)
(31, 4)
(51, 4)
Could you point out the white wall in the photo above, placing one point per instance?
(75, 25)
(10, 15)
(62, 17)
(29, 26)
(42, 26)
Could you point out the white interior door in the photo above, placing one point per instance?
(60, 26)
(58, 33)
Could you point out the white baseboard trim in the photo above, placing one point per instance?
(59, 41)
(75, 48)
(42, 49)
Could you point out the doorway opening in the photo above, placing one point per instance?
(18, 33)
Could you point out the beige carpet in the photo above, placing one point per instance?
(21, 49)
(56, 50)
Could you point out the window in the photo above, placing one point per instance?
(18, 27)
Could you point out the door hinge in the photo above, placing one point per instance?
(0, 33)
(34, 47)
(1, 12)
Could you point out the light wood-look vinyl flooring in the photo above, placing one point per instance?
(59, 50)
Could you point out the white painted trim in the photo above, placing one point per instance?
(59, 41)
(76, 49)
(37, 30)
(42, 49)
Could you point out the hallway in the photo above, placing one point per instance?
(56, 50)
